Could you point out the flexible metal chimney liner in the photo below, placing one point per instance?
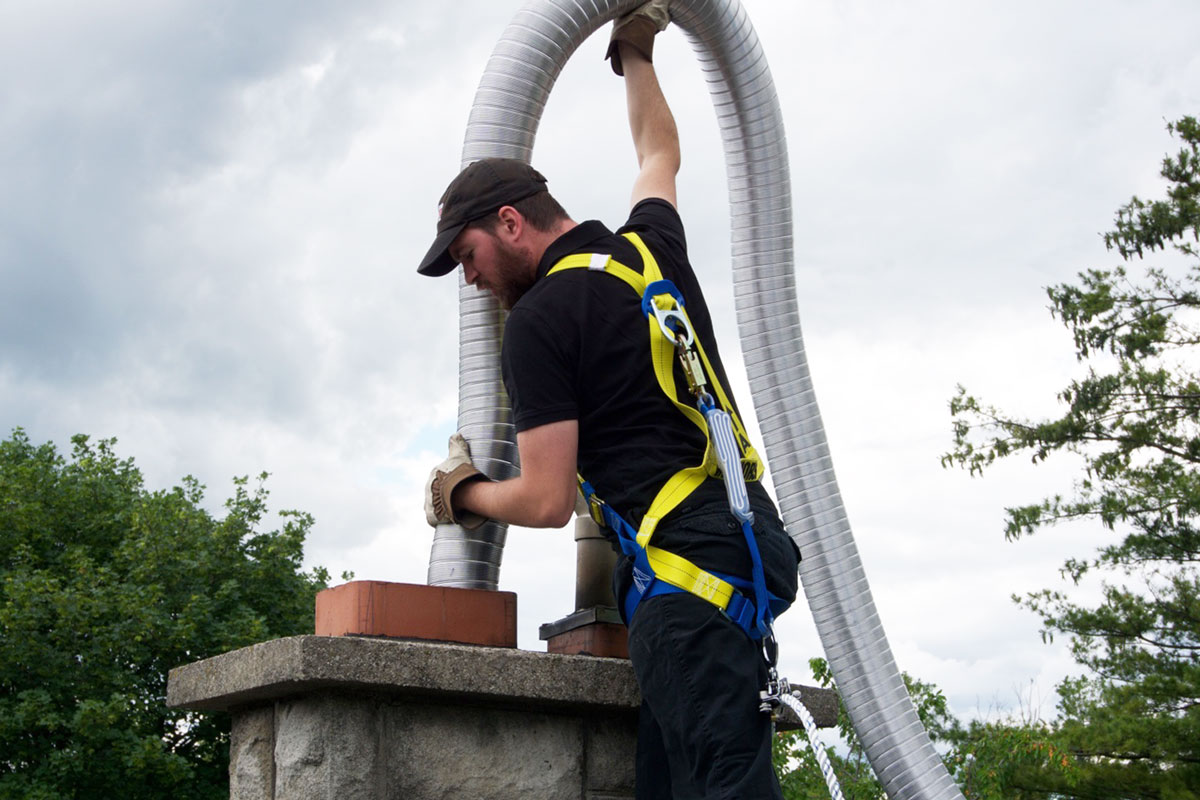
(508, 106)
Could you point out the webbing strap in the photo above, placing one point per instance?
(677, 489)
(683, 574)
(649, 265)
(752, 615)
(612, 267)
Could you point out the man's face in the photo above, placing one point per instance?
(491, 264)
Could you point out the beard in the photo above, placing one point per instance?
(515, 275)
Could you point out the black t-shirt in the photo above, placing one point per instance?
(577, 346)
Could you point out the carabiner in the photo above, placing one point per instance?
(672, 320)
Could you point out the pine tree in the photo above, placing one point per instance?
(1129, 728)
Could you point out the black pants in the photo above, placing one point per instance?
(700, 735)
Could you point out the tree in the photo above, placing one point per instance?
(104, 587)
(800, 776)
(1131, 726)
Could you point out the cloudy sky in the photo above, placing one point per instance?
(211, 214)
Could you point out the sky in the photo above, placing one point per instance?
(211, 215)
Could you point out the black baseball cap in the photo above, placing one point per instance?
(479, 190)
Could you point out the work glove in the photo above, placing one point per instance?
(455, 470)
(637, 29)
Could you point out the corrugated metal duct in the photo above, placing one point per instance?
(503, 122)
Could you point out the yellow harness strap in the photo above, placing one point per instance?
(680, 572)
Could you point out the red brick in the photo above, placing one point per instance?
(416, 611)
(596, 639)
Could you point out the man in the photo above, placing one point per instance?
(577, 365)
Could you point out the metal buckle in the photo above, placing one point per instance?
(670, 319)
(596, 510)
(674, 325)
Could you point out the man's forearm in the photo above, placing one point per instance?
(543, 495)
(650, 120)
(515, 501)
(652, 126)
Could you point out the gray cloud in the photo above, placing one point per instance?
(211, 213)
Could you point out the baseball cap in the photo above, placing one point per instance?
(479, 190)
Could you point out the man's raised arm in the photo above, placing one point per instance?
(655, 137)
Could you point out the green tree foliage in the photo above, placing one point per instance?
(1011, 760)
(800, 776)
(1131, 727)
(104, 587)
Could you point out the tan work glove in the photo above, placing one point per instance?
(637, 29)
(456, 469)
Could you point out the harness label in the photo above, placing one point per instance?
(641, 580)
(707, 586)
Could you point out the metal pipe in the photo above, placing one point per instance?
(503, 122)
(595, 561)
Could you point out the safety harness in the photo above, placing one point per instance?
(728, 454)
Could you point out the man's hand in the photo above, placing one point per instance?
(445, 477)
(637, 29)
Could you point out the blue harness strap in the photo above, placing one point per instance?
(753, 613)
